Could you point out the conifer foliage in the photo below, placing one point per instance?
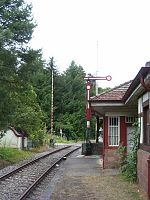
(25, 81)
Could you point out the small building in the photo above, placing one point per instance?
(14, 139)
(117, 121)
(119, 107)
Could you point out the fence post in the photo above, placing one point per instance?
(148, 177)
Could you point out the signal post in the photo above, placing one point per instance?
(86, 146)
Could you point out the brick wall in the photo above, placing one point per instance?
(111, 158)
(142, 169)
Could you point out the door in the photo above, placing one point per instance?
(129, 138)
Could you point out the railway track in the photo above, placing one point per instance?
(20, 182)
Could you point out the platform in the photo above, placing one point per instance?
(83, 178)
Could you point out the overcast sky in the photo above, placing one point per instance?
(108, 36)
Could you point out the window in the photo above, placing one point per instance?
(114, 131)
(146, 125)
(130, 120)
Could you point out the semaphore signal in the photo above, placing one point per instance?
(88, 88)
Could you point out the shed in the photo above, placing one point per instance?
(13, 138)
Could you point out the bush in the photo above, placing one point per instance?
(128, 162)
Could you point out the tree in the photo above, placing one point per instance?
(16, 23)
(28, 115)
(72, 101)
(16, 27)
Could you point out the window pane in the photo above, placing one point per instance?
(146, 125)
(113, 131)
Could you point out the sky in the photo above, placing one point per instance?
(105, 37)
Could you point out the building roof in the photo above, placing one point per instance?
(137, 80)
(123, 98)
(18, 133)
(114, 94)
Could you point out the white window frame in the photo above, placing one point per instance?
(130, 119)
(113, 130)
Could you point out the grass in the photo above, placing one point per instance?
(131, 188)
(59, 139)
(13, 155)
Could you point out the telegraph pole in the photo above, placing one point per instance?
(52, 99)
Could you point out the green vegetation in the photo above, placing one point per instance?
(25, 82)
(59, 139)
(128, 162)
(13, 155)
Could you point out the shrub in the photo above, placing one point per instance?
(128, 162)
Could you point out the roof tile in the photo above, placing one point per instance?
(114, 94)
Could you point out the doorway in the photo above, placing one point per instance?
(129, 138)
